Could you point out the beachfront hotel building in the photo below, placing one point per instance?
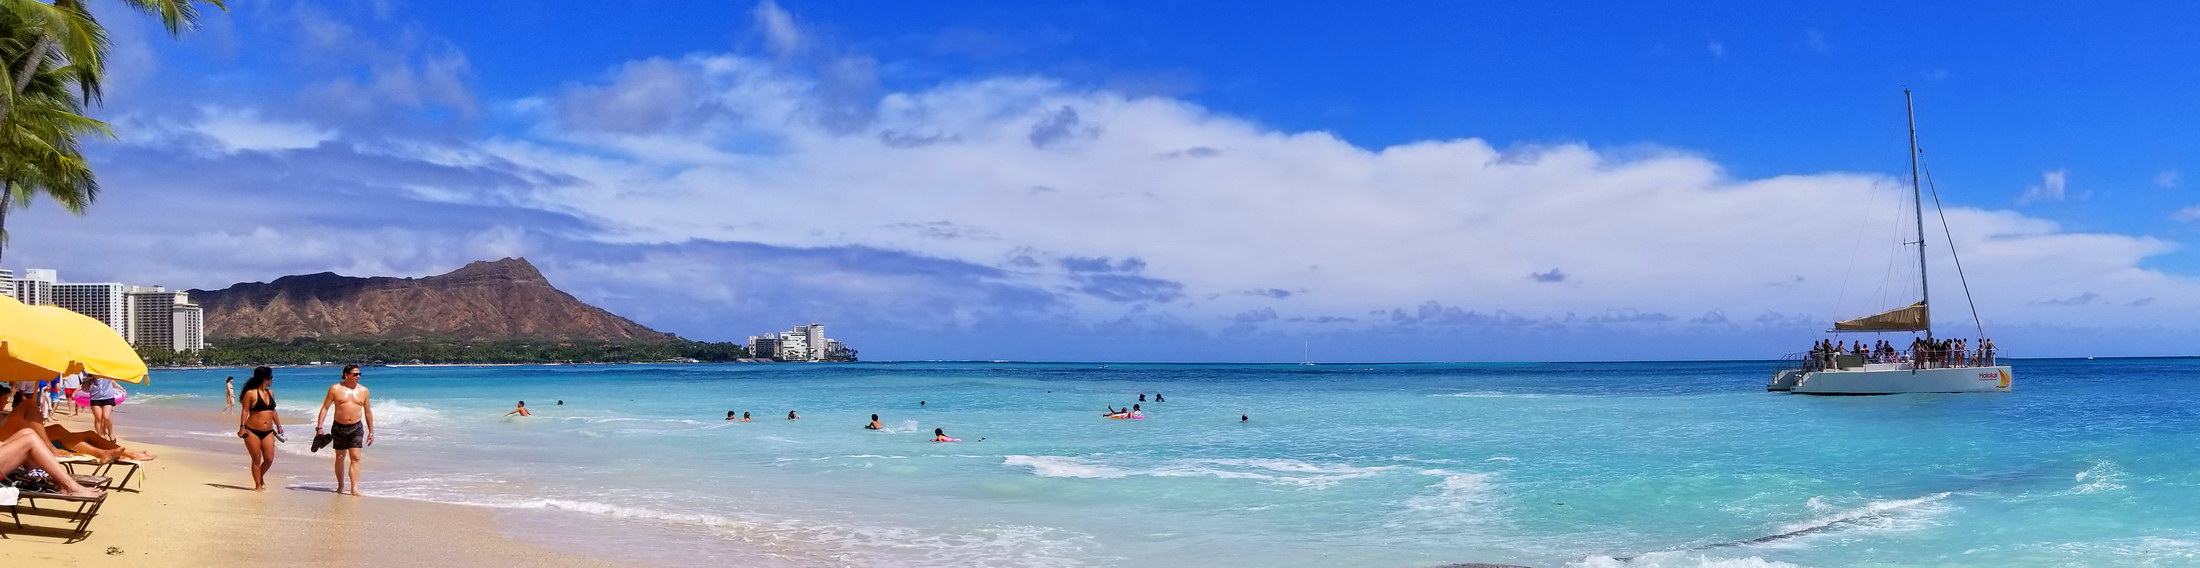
(104, 301)
(35, 287)
(803, 343)
(146, 316)
(165, 318)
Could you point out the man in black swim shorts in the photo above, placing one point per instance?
(353, 428)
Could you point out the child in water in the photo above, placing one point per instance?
(744, 417)
(874, 425)
(522, 410)
(729, 415)
(940, 435)
(791, 416)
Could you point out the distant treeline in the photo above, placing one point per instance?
(306, 350)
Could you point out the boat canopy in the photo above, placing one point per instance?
(1912, 317)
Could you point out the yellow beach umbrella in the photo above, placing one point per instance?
(43, 342)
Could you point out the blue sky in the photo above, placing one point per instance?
(1176, 181)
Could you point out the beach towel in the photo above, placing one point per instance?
(8, 496)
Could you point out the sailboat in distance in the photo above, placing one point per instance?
(1922, 366)
(1304, 359)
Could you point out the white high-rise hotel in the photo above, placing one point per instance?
(144, 315)
(803, 343)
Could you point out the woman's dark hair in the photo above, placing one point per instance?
(523, 403)
(260, 377)
(939, 432)
(729, 414)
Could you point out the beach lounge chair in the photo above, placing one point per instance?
(86, 507)
(71, 460)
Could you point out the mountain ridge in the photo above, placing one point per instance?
(495, 300)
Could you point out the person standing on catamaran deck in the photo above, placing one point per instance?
(353, 410)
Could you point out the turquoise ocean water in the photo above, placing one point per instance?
(2088, 463)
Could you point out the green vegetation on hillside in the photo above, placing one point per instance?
(306, 350)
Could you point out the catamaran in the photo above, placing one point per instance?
(1924, 368)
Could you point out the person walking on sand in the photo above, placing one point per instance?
(353, 410)
(522, 410)
(104, 393)
(69, 384)
(229, 395)
(258, 423)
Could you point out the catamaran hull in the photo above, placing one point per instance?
(1900, 381)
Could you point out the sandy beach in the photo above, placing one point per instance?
(194, 507)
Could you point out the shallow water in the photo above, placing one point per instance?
(1616, 464)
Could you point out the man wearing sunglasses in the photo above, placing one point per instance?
(352, 411)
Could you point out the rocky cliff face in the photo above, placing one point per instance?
(483, 301)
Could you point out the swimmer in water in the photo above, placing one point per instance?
(920, 403)
(522, 410)
(940, 435)
(1142, 397)
(744, 417)
(729, 415)
(561, 403)
(1157, 398)
(1112, 412)
(791, 416)
(1243, 418)
(874, 425)
(1137, 412)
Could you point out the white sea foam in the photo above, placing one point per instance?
(2103, 476)
(902, 427)
(1278, 471)
(1059, 466)
(1459, 495)
(1678, 560)
(1874, 516)
(844, 543)
(392, 412)
(160, 397)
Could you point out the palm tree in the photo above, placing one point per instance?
(39, 153)
(50, 49)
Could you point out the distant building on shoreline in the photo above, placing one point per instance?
(146, 316)
(804, 343)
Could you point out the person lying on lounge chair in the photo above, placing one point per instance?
(88, 443)
(25, 448)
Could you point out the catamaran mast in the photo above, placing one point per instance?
(1917, 201)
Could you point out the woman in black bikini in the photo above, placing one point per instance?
(258, 423)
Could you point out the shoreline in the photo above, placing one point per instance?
(193, 507)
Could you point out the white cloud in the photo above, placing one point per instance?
(244, 129)
(1068, 209)
(2053, 186)
(2187, 214)
(2166, 180)
(779, 28)
(1361, 230)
